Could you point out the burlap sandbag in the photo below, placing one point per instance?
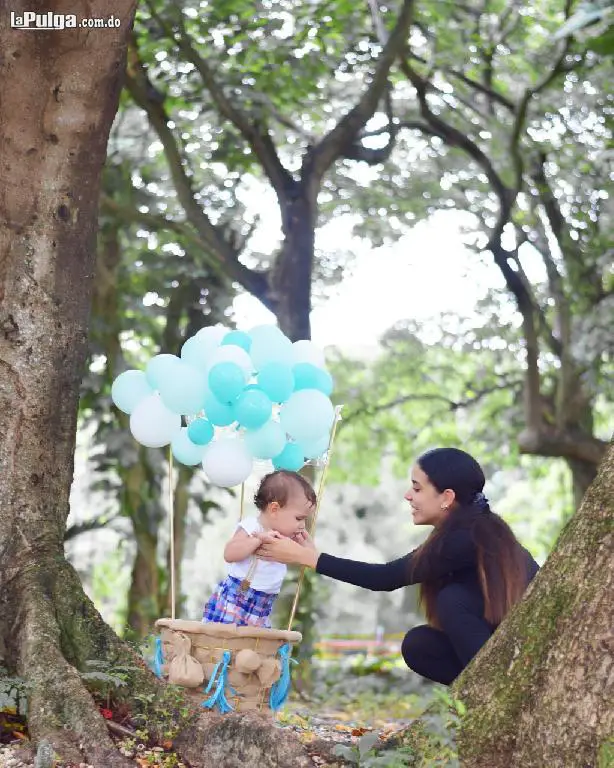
(184, 669)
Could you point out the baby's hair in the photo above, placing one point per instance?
(277, 486)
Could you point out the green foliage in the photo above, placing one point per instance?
(164, 713)
(105, 678)
(14, 693)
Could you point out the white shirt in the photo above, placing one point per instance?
(268, 576)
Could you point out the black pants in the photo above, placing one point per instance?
(441, 655)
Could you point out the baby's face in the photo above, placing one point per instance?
(291, 518)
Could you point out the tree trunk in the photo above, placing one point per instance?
(540, 693)
(292, 274)
(60, 91)
(142, 504)
(582, 475)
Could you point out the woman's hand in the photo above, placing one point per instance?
(289, 552)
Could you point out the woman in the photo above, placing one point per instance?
(471, 568)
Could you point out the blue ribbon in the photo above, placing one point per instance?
(281, 689)
(219, 678)
(158, 659)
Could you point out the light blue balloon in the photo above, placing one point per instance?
(309, 376)
(183, 392)
(201, 431)
(315, 448)
(194, 352)
(161, 368)
(253, 408)
(277, 381)
(308, 415)
(291, 458)
(238, 339)
(226, 381)
(185, 451)
(270, 347)
(219, 414)
(129, 389)
(266, 442)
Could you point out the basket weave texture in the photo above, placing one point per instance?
(192, 651)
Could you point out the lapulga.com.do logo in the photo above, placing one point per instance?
(49, 20)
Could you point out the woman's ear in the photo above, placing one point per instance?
(449, 497)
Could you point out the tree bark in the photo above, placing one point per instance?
(291, 277)
(59, 95)
(540, 692)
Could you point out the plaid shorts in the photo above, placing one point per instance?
(228, 605)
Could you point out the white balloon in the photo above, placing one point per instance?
(305, 351)
(212, 334)
(152, 424)
(230, 353)
(227, 462)
(198, 348)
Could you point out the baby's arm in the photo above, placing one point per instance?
(241, 545)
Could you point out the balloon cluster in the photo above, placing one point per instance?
(243, 397)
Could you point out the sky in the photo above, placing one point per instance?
(426, 272)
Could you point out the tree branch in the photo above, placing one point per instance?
(94, 524)
(523, 108)
(344, 134)
(256, 135)
(452, 405)
(565, 444)
(212, 238)
(455, 138)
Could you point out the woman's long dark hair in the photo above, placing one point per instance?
(501, 562)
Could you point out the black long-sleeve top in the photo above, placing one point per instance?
(456, 561)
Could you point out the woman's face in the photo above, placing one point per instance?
(428, 506)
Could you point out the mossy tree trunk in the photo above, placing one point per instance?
(60, 92)
(541, 692)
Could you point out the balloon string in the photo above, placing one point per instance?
(312, 527)
(171, 517)
(242, 501)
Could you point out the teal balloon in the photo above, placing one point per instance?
(226, 381)
(309, 376)
(253, 408)
(185, 451)
(129, 389)
(291, 458)
(277, 381)
(201, 431)
(219, 414)
(266, 442)
(184, 391)
(315, 448)
(238, 339)
(308, 415)
(161, 368)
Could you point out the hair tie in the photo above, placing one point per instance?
(481, 502)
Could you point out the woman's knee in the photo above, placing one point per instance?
(415, 645)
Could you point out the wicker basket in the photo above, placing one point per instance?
(225, 666)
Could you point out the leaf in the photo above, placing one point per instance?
(366, 743)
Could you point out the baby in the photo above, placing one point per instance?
(247, 594)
